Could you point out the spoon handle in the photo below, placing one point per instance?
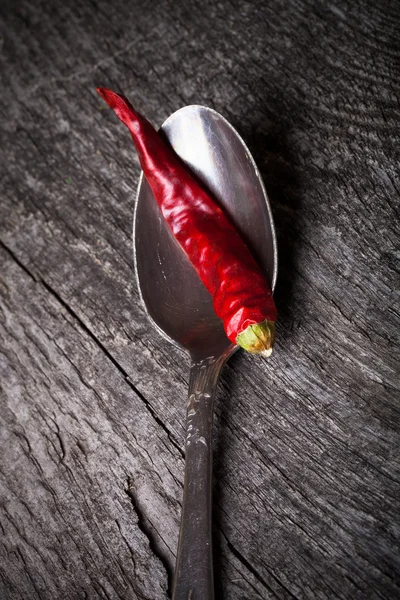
(194, 568)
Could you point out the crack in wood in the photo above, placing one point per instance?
(19, 263)
(115, 363)
(255, 574)
(148, 530)
(98, 343)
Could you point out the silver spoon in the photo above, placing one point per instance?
(181, 309)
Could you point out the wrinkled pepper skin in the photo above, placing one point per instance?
(241, 295)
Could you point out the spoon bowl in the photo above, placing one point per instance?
(181, 308)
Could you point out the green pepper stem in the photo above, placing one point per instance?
(258, 338)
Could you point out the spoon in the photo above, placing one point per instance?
(180, 307)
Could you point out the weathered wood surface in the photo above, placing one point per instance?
(306, 497)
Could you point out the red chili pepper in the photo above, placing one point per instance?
(242, 297)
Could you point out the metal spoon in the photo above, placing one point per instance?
(180, 307)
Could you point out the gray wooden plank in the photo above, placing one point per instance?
(307, 462)
(76, 441)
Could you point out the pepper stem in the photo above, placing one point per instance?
(258, 338)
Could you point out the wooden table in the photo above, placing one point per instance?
(306, 493)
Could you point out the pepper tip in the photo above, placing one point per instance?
(108, 95)
(121, 106)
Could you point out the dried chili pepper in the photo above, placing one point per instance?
(242, 297)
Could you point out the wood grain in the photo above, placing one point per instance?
(306, 494)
